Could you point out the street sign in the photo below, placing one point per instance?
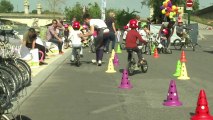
(189, 4)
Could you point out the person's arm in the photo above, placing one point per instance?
(33, 44)
(113, 26)
(89, 33)
(55, 35)
(159, 33)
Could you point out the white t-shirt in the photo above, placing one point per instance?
(124, 35)
(76, 40)
(143, 34)
(97, 23)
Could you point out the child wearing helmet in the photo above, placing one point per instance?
(131, 41)
(76, 40)
(167, 30)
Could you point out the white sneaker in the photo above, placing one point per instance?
(93, 61)
(99, 63)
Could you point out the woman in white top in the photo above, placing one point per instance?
(102, 35)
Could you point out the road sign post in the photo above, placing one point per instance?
(189, 4)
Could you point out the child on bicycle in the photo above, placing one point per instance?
(76, 40)
(180, 31)
(131, 41)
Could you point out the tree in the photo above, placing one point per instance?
(76, 11)
(6, 6)
(94, 10)
(123, 17)
(54, 5)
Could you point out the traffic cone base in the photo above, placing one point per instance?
(172, 96)
(183, 73)
(197, 117)
(110, 67)
(172, 103)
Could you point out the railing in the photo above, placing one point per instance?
(21, 15)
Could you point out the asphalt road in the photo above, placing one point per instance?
(67, 92)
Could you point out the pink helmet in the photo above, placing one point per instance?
(133, 24)
(76, 25)
(165, 31)
(66, 25)
(85, 26)
(125, 27)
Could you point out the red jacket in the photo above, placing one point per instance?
(132, 37)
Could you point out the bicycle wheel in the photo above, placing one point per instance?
(123, 46)
(177, 44)
(144, 66)
(4, 117)
(78, 60)
(131, 67)
(149, 48)
(92, 48)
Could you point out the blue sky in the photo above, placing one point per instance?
(119, 4)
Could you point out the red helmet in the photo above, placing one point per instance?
(125, 27)
(165, 31)
(133, 23)
(76, 25)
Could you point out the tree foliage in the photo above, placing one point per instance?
(155, 4)
(122, 16)
(6, 6)
(54, 5)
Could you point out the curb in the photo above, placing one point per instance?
(39, 79)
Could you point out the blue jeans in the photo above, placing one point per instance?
(54, 40)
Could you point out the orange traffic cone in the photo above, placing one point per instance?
(202, 110)
(156, 53)
(183, 57)
(183, 73)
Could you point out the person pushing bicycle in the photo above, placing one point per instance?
(131, 41)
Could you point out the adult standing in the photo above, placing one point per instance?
(110, 22)
(53, 36)
(102, 35)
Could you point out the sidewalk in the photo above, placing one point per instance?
(39, 76)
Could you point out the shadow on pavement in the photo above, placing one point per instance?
(208, 51)
(21, 117)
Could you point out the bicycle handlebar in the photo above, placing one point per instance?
(6, 32)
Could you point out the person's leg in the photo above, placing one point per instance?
(129, 55)
(58, 43)
(74, 51)
(113, 40)
(139, 53)
(41, 48)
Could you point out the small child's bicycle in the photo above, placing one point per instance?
(132, 64)
(77, 56)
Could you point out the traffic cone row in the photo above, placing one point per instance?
(181, 71)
